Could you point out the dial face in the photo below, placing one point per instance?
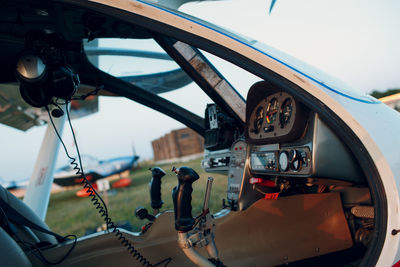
(286, 112)
(258, 120)
(273, 117)
(272, 111)
(283, 161)
(295, 165)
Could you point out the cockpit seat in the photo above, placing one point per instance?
(11, 253)
(13, 247)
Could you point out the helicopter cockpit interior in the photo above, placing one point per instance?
(298, 186)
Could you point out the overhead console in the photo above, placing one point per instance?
(287, 139)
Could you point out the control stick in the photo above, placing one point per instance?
(194, 233)
(155, 189)
(182, 197)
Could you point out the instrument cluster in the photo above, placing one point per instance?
(275, 130)
(275, 118)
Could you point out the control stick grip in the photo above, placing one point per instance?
(155, 187)
(182, 197)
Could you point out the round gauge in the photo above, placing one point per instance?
(272, 111)
(258, 120)
(283, 161)
(295, 165)
(286, 112)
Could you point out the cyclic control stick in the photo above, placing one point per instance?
(155, 189)
(194, 233)
(182, 197)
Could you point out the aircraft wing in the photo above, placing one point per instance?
(160, 82)
(16, 113)
(155, 83)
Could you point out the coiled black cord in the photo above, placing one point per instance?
(97, 200)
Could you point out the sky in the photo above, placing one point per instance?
(356, 41)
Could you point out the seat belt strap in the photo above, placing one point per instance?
(6, 224)
(18, 218)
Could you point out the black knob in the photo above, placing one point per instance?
(155, 187)
(296, 158)
(182, 197)
(142, 214)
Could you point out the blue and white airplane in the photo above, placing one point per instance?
(95, 169)
(312, 169)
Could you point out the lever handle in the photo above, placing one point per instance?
(182, 197)
(142, 214)
(155, 187)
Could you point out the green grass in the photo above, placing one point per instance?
(68, 214)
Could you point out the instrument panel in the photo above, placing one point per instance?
(284, 161)
(275, 118)
(276, 130)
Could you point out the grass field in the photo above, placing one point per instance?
(68, 214)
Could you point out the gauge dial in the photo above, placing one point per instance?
(283, 161)
(258, 120)
(272, 111)
(286, 112)
(295, 165)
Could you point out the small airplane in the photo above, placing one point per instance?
(95, 169)
(17, 188)
(312, 170)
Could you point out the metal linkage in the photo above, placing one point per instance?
(202, 235)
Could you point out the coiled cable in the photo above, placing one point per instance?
(96, 199)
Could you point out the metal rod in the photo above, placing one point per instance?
(191, 253)
(212, 249)
(208, 193)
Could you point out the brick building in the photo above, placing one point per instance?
(177, 144)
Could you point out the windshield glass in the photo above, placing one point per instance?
(320, 78)
(240, 79)
(144, 63)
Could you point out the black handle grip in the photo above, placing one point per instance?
(155, 187)
(182, 197)
(142, 214)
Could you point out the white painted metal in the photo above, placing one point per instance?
(38, 191)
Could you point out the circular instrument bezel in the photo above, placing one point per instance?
(286, 167)
(272, 111)
(284, 118)
(258, 120)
